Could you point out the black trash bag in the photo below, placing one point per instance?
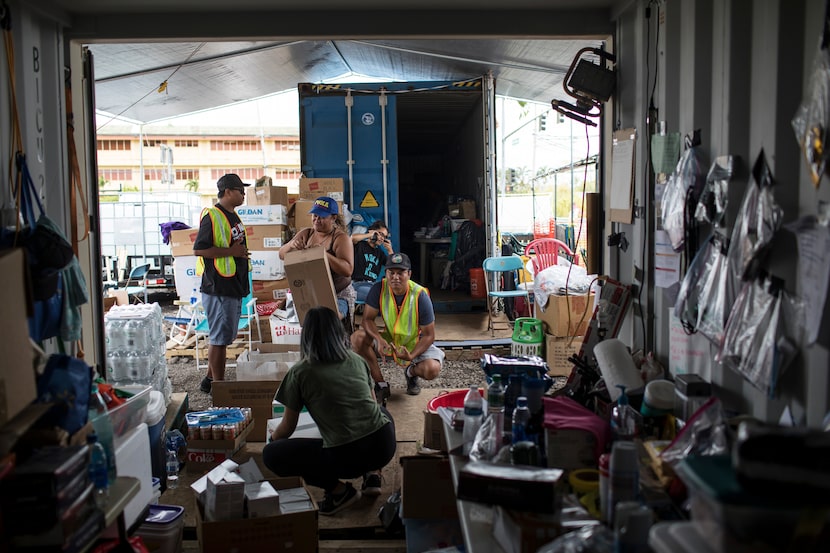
(389, 514)
(469, 254)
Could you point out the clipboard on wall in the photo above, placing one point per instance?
(622, 176)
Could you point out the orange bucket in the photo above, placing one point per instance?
(477, 286)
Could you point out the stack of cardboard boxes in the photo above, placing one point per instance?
(311, 189)
(565, 320)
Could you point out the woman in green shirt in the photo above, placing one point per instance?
(358, 435)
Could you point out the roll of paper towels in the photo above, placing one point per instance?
(617, 367)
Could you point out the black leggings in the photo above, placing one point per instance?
(324, 467)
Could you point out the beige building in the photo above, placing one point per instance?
(193, 158)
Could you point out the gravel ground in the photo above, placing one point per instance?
(461, 368)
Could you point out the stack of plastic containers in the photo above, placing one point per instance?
(136, 346)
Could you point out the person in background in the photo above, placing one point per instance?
(409, 328)
(370, 251)
(326, 231)
(224, 264)
(358, 435)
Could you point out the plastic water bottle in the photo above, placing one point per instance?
(100, 418)
(521, 416)
(495, 409)
(473, 412)
(98, 469)
(172, 469)
(514, 390)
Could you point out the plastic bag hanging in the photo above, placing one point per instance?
(701, 303)
(811, 121)
(684, 186)
(758, 220)
(714, 198)
(763, 333)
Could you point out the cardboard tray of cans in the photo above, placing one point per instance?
(232, 425)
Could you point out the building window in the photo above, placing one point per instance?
(114, 144)
(152, 174)
(247, 174)
(153, 143)
(187, 174)
(287, 145)
(284, 173)
(115, 175)
(186, 143)
(235, 145)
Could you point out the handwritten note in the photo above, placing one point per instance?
(813, 273)
(666, 261)
(622, 172)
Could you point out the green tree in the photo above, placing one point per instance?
(102, 182)
(192, 185)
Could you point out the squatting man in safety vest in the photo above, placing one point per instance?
(409, 333)
(224, 264)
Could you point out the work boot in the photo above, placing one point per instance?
(382, 392)
(206, 385)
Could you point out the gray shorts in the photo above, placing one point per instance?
(432, 352)
(223, 314)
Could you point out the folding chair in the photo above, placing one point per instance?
(249, 318)
(495, 270)
(183, 325)
(138, 275)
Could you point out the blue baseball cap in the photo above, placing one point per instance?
(324, 207)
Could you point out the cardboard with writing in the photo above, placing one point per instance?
(311, 188)
(265, 237)
(17, 379)
(309, 277)
(558, 350)
(299, 216)
(270, 290)
(256, 394)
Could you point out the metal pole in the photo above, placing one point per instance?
(141, 196)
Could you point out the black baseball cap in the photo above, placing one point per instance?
(231, 181)
(399, 261)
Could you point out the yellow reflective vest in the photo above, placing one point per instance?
(222, 236)
(401, 323)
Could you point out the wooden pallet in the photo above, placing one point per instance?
(177, 350)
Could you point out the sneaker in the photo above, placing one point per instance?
(382, 392)
(334, 503)
(206, 384)
(412, 387)
(371, 484)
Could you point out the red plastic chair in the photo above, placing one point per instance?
(543, 252)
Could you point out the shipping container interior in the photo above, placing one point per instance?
(436, 159)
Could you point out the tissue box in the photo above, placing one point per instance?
(261, 500)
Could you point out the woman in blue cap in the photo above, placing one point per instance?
(327, 231)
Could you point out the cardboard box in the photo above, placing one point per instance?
(109, 302)
(181, 241)
(17, 379)
(287, 532)
(267, 265)
(284, 332)
(270, 290)
(465, 209)
(434, 431)
(515, 487)
(309, 277)
(263, 214)
(306, 427)
(566, 315)
(184, 273)
(265, 237)
(261, 365)
(267, 195)
(299, 217)
(203, 455)
(261, 500)
(254, 394)
(435, 500)
(557, 351)
(311, 189)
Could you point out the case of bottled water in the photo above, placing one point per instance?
(136, 345)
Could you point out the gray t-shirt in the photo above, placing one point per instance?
(338, 397)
